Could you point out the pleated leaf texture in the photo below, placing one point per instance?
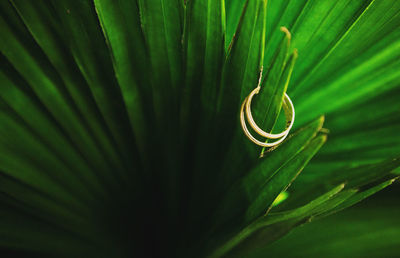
(120, 132)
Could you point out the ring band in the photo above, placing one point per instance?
(289, 113)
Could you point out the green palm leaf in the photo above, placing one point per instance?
(119, 124)
(371, 228)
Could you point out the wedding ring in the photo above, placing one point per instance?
(289, 114)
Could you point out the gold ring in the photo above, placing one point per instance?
(289, 113)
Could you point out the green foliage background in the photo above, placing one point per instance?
(119, 131)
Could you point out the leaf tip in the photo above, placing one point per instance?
(324, 131)
(321, 121)
(295, 53)
(287, 32)
(321, 139)
(393, 180)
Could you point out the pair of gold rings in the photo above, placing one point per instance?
(246, 108)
